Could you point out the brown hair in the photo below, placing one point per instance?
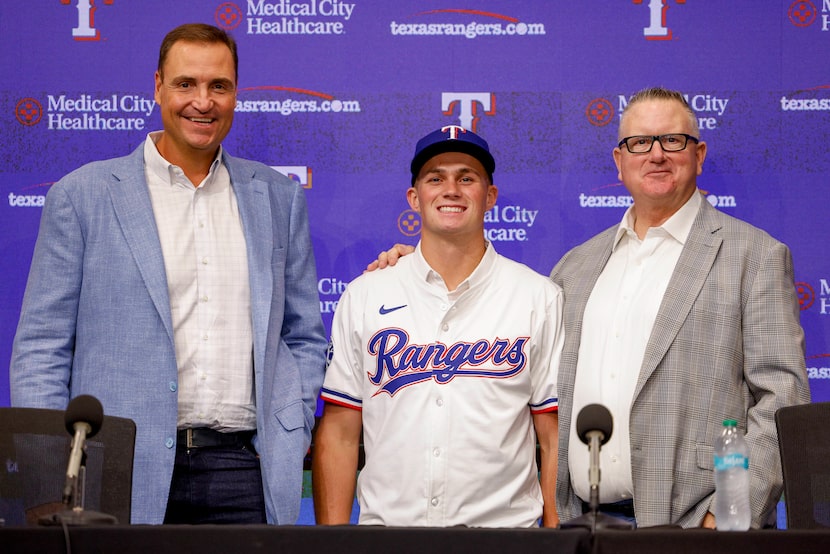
(198, 32)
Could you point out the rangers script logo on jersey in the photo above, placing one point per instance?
(400, 364)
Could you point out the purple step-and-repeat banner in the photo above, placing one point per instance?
(335, 93)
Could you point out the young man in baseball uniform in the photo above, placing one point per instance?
(447, 362)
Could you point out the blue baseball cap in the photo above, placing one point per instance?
(452, 138)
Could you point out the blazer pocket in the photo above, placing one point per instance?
(705, 456)
(291, 416)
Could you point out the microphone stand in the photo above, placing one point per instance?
(76, 515)
(593, 519)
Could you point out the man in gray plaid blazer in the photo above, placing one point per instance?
(676, 319)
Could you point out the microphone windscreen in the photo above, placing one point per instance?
(86, 409)
(594, 417)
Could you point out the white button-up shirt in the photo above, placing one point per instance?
(617, 324)
(210, 299)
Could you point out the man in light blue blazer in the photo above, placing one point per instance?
(178, 286)
(676, 319)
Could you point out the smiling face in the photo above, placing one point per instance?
(658, 179)
(196, 94)
(452, 193)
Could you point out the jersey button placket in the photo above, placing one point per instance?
(437, 458)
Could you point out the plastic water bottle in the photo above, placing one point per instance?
(732, 511)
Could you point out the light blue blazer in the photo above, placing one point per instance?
(96, 320)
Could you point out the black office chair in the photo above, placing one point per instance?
(34, 452)
(804, 439)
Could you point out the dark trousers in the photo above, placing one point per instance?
(623, 509)
(216, 484)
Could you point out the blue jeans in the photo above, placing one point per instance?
(220, 484)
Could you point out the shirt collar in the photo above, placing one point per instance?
(678, 226)
(166, 171)
(432, 277)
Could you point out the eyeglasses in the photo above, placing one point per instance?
(640, 144)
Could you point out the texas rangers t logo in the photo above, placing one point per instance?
(657, 28)
(468, 104)
(86, 19)
(452, 131)
(400, 364)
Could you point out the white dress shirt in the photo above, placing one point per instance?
(617, 325)
(210, 299)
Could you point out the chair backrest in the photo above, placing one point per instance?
(804, 439)
(34, 452)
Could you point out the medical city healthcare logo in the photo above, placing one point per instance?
(502, 223)
(804, 13)
(809, 300)
(85, 30)
(228, 16)
(330, 289)
(28, 111)
(467, 23)
(599, 112)
(806, 295)
(409, 223)
(286, 17)
(709, 108)
(87, 111)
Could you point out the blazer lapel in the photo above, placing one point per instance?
(255, 212)
(693, 266)
(134, 211)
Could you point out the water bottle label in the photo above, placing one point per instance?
(731, 460)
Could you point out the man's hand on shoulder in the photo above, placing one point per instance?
(390, 257)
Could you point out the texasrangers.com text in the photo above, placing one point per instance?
(469, 30)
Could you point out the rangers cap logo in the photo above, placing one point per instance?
(452, 138)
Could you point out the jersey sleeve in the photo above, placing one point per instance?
(344, 373)
(548, 341)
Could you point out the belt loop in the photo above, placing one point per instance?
(189, 433)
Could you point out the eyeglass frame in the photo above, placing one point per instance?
(657, 138)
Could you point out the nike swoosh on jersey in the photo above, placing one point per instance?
(384, 310)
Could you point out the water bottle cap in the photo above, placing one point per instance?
(730, 423)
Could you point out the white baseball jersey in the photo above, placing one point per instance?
(446, 383)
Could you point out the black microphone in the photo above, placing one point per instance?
(594, 418)
(83, 419)
(594, 425)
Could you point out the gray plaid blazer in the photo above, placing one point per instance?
(726, 343)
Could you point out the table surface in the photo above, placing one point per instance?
(207, 539)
